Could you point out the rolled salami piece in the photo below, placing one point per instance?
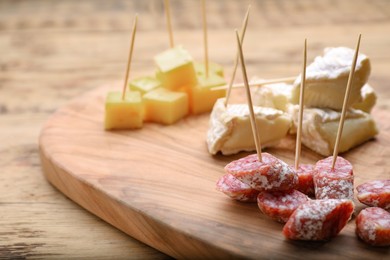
(272, 174)
(280, 205)
(375, 193)
(334, 183)
(373, 226)
(236, 189)
(318, 220)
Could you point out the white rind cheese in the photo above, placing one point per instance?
(230, 129)
(319, 129)
(368, 99)
(327, 76)
(277, 96)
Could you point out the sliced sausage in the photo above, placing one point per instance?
(272, 174)
(375, 193)
(334, 183)
(280, 205)
(305, 174)
(236, 189)
(318, 220)
(373, 226)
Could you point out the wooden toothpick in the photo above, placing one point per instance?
(346, 97)
(258, 83)
(169, 24)
(243, 30)
(206, 53)
(130, 56)
(301, 102)
(255, 132)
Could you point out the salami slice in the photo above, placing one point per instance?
(236, 189)
(318, 220)
(305, 174)
(375, 193)
(271, 174)
(373, 226)
(280, 205)
(336, 183)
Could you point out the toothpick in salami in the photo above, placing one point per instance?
(262, 171)
(334, 176)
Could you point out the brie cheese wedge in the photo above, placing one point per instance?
(327, 76)
(368, 99)
(277, 96)
(319, 129)
(230, 128)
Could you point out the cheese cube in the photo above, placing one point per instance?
(123, 114)
(144, 84)
(202, 97)
(175, 68)
(214, 68)
(165, 106)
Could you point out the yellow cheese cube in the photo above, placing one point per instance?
(214, 68)
(175, 68)
(202, 97)
(144, 84)
(165, 106)
(123, 114)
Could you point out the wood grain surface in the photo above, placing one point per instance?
(53, 51)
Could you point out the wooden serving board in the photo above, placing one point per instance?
(157, 184)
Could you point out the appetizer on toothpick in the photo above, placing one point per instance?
(334, 175)
(304, 171)
(124, 110)
(230, 125)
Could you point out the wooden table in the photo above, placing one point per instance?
(53, 51)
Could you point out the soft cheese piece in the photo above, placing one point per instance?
(230, 129)
(368, 99)
(273, 95)
(327, 76)
(319, 129)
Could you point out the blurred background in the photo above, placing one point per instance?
(53, 51)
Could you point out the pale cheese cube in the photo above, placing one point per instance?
(144, 84)
(165, 106)
(123, 114)
(175, 68)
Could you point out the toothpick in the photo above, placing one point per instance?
(255, 132)
(130, 56)
(301, 101)
(243, 30)
(258, 83)
(169, 24)
(206, 53)
(346, 97)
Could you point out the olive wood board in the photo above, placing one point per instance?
(157, 184)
